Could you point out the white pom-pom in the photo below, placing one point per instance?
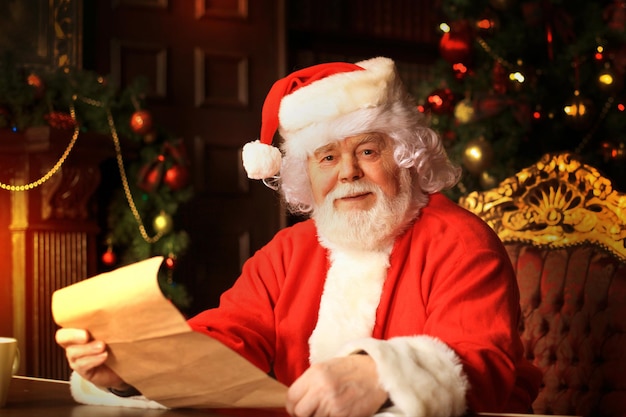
(260, 160)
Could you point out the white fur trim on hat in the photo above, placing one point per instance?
(85, 392)
(357, 98)
(260, 161)
(423, 376)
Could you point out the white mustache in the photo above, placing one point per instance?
(350, 190)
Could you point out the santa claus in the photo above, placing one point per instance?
(390, 298)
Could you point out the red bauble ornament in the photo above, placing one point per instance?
(151, 174)
(456, 45)
(176, 177)
(109, 258)
(441, 101)
(141, 122)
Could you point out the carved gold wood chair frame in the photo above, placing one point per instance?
(557, 202)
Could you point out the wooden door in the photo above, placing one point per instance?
(209, 65)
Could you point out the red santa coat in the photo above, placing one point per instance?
(439, 318)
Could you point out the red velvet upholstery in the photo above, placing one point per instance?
(574, 327)
(564, 228)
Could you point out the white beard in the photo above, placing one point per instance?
(372, 229)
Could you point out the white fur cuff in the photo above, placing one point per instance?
(422, 375)
(85, 392)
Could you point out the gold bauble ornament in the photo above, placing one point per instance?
(163, 223)
(477, 156)
(464, 111)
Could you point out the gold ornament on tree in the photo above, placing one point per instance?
(163, 223)
(477, 156)
(464, 111)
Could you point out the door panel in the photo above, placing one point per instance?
(209, 65)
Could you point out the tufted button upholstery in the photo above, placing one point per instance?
(564, 229)
(573, 303)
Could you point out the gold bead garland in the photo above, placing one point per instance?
(55, 168)
(127, 193)
(120, 165)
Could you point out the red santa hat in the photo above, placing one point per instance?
(315, 105)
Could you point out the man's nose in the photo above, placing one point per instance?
(350, 170)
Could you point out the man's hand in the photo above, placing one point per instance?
(345, 386)
(87, 357)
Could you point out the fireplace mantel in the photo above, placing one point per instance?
(47, 235)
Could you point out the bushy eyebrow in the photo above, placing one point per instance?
(373, 138)
(325, 148)
(369, 138)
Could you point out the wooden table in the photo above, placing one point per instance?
(34, 397)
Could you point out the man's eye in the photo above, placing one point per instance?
(328, 158)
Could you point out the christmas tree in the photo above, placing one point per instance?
(151, 176)
(517, 79)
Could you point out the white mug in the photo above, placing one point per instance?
(9, 364)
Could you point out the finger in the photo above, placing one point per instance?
(67, 337)
(294, 394)
(77, 352)
(94, 347)
(86, 364)
(300, 402)
(306, 407)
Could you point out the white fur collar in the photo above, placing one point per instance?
(348, 305)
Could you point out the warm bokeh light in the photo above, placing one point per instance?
(517, 76)
(606, 79)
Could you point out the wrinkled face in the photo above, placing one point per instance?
(365, 158)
